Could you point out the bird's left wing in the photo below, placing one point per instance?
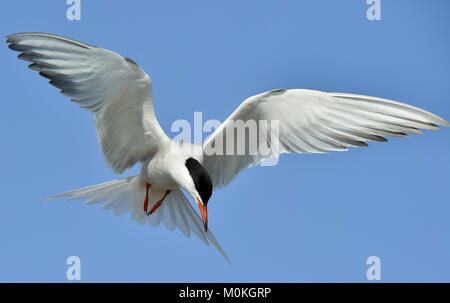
(306, 121)
(115, 89)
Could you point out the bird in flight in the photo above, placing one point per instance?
(119, 95)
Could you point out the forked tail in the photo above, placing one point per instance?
(128, 194)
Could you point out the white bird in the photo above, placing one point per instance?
(119, 94)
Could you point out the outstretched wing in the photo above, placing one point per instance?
(310, 122)
(115, 89)
(127, 196)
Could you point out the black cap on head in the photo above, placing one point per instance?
(201, 178)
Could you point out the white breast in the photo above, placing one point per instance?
(167, 163)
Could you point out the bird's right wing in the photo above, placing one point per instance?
(115, 89)
(308, 121)
(127, 196)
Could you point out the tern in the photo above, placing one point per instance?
(119, 95)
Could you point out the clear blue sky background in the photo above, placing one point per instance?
(311, 218)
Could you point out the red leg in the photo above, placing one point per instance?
(147, 186)
(158, 204)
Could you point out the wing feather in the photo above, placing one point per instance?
(115, 89)
(313, 122)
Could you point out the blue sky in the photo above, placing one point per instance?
(311, 218)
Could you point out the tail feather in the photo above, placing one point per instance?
(127, 195)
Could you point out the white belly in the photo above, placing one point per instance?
(170, 161)
(156, 173)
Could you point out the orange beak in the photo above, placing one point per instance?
(204, 213)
